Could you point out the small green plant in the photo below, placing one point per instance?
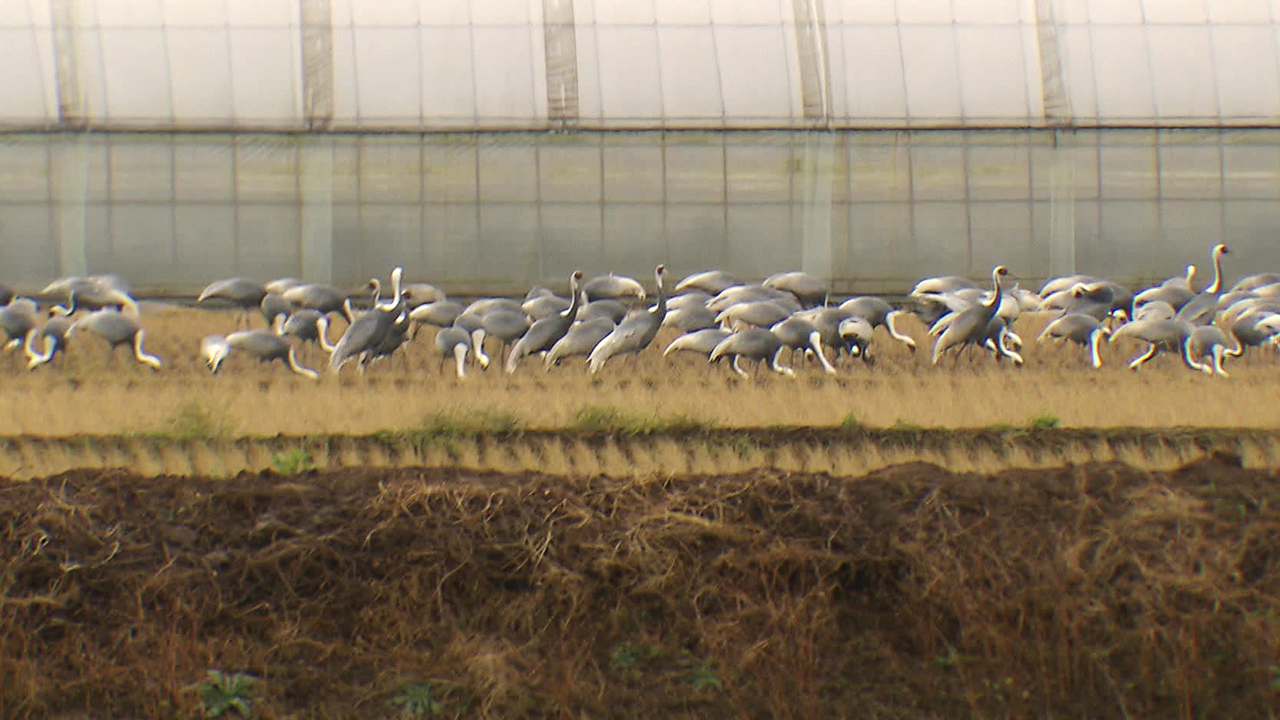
(1275, 678)
(849, 422)
(221, 693)
(192, 421)
(416, 700)
(700, 675)
(294, 462)
(1043, 421)
(904, 426)
(629, 659)
(951, 659)
(1002, 427)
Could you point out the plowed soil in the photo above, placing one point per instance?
(1084, 591)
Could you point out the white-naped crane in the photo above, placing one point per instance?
(969, 328)
(52, 338)
(699, 342)
(116, 328)
(1079, 328)
(244, 293)
(753, 344)
(581, 339)
(711, 282)
(456, 342)
(544, 333)
(363, 336)
(806, 288)
(879, 313)
(1201, 309)
(613, 287)
(307, 326)
(635, 332)
(259, 343)
(1205, 348)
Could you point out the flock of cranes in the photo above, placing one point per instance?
(719, 316)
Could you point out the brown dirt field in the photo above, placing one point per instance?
(85, 394)
(1094, 590)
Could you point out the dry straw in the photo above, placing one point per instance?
(85, 393)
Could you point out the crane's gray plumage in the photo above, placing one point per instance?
(317, 296)
(635, 332)
(761, 314)
(546, 332)
(274, 305)
(798, 333)
(701, 342)
(1159, 334)
(16, 320)
(280, 285)
(750, 293)
(1200, 310)
(363, 335)
(1205, 348)
(94, 292)
(614, 310)
(711, 282)
(689, 319)
(808, 289)
(879, 313)
(441, 314)
(454, 341)
(545, 305)
(260, 343)
(52, 336)
(307, 326)
(116, 329)
(242, 292)
(694, 299)
(613, 287)
(1078, 328)
(970, 326)
(581, 339)
(753, 344)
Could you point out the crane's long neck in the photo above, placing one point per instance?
(322, 332)
(576, 301)
(661, 308)
(70, 306)
(141, 354)
(377, 292)
(994, 302)
(294, 366)
(1217, 273)
(815, 342)
(1094, 338)
(890, 323)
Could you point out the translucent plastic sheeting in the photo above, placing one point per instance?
(496, 213)
(636, 64)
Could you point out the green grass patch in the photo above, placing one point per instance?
(608, 419)
(1043, 421)
(294, 462)
(445, 429)
(192, 420)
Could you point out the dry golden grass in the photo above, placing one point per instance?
(87, 393)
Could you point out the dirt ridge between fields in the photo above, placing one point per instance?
(839, 452)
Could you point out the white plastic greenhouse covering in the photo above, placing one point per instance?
(503, 64)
